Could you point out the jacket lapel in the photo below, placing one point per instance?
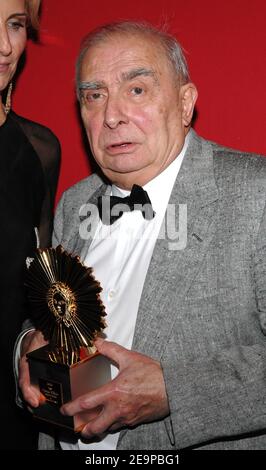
(172, 272)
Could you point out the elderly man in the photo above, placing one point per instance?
(186, 313)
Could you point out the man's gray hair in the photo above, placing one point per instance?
(169, 44)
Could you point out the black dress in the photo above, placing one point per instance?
(29, 165)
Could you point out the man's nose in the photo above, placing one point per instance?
(115, 113)
(5, 44)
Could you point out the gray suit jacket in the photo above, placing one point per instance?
(203, 308)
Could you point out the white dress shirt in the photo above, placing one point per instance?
(120, 255)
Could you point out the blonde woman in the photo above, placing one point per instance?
(29, 165)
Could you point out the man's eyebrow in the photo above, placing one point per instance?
(91, 85)
(137, 73)
(126, 76)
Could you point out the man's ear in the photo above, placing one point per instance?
(188, 98)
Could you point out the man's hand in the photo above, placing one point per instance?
(33, 340)
(137, 395)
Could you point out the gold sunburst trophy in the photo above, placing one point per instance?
(65, 305)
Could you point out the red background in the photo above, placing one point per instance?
(225, 44)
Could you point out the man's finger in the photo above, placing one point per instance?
(113, 351)
(99, 425)
(85, 402)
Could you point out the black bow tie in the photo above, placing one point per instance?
(112, 208)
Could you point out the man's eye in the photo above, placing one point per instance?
(91, 97)
(94, 96)
(137, 90)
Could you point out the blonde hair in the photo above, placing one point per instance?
(32, 9)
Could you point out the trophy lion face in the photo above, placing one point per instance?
(62, 303)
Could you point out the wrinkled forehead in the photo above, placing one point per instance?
(121, 52)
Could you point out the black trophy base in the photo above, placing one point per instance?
(59, 383)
